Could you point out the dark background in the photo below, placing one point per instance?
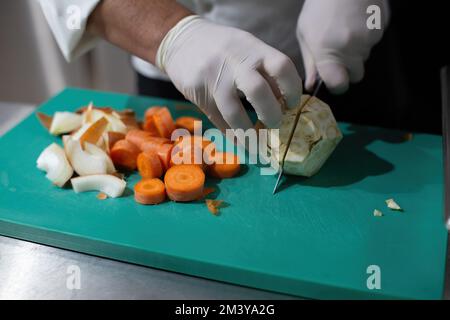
(401, 88)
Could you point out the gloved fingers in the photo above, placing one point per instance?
(283, 71)
(356, 70)
(232, 110)
(309, 65)
(216, 118)
(334, 75)
(260, 95)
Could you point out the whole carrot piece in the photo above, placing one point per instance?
(184, 182)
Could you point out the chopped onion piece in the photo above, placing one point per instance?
(110, 185)
(83, 162)
(96, 151)
(64, 122)
(53, 161)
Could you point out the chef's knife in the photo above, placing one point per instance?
(291, 134)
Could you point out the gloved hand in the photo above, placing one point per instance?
(209, 63)
(335, 40)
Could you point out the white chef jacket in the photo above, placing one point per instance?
(273, 21)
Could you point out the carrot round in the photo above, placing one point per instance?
(186, 123)
(113, 137)
(159, 121)
(225, 165)
(138, 137)
(149, 126)
(187, 155)
(149, 165)
(153, 143)
(163, 122)
(149, 191)
(164, 152)
(124, 154)
(193, 141)
(184, 182)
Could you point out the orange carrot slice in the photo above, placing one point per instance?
(186, 123)
(94, 132)
(193, 141)
(149, 126)
(138, 137)
(124, 154)
(153, 143)
(184, 182)
(149, 191)
(151, 111)
(164, 122)
(113, 137)
(149, 165)
(159, 121)
(187, 155)
(226, 165)
(164, 152)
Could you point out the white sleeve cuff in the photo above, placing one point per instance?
(67, 20)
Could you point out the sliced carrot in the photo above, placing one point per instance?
(138, 137)
(159, 121)
(226, 165)
(149, 165)
(45, 120)
(94, 132)
(184, 182)
(186, 123)
(124, 154)
(149, 126)
(187, 155)
(163, 122)
(193, 141)
(113, 137)
(149, 191)
(213, 206)
(151, 111)
(164, 152)
(153, 143)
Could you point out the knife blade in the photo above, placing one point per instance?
(291, 134)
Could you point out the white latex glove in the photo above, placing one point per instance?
(335, 40)
(209, 63)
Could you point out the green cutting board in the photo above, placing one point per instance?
(315, 238)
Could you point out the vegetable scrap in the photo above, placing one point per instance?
(391, 204)
(213, 206)
(377, 213)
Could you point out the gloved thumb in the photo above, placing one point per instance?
(334, 75)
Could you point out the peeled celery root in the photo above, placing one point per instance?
(315, 138)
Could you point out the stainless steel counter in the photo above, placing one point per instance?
(34, 271)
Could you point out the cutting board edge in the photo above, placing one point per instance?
(200, 269)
